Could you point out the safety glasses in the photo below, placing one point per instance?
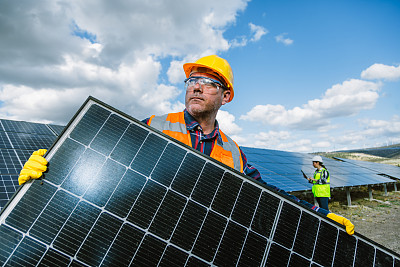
(208, 85)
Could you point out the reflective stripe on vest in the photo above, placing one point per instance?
(173, 124)
(319, 189)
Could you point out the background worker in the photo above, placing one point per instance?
(209, 85)
(321, 183)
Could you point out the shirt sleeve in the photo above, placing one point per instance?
(324, 177)
(146, 121)
(252, 171)
(248, 169)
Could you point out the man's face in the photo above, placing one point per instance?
(200, 103)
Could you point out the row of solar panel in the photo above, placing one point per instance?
(293, 160)
(283, 169)
(18, 139)
(118, 193)
(385, 169)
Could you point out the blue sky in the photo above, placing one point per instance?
(309, 75)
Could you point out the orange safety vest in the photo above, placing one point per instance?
(173, 124)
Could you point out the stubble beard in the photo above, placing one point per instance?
(200, 112)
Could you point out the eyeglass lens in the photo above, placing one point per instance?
(208, 85)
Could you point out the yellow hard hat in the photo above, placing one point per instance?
(216, 64)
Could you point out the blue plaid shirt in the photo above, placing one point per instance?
(205, 143)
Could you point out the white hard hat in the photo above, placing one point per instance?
(317, 158)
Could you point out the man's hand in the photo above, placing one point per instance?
(343, 221)
(34, 167)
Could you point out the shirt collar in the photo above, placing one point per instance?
(192, 124)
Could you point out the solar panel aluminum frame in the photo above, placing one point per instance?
(272, 250)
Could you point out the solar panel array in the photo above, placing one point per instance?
(385, 169)
(18, 139)
(283, 169)
(118, 193)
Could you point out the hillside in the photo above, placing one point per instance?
(386, 155)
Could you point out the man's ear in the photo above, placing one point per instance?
(225, 96)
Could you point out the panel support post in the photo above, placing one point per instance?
(348, 196)
(395, 186)
(370, 192)
(385, 188)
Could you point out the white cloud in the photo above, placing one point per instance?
(240, 140)
(257, 31)
(238, 42)
(340, 100)
(328, 128)
(175, 72)
(300, 145)
(270, 139)
(227, 123)
(281, 39)
(388, 129)
(321, 144)
(381, 71)
(132, 87)
(284, 140)
(372, 133)
(42, 105)
(54, 70)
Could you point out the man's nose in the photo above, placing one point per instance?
(197, 87)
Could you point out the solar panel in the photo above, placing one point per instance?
(10, 166)
(386, 169)
(18, 139)
(118, 192)
(23, 155)
(25, 127)
(30, 141)
(57, 129)
(282, 169)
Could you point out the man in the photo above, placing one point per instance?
(209, 85)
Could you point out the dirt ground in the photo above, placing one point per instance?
(377, 219)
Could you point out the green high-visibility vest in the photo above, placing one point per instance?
(321, 188)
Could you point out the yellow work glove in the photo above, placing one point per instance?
(34, 167)
(343, 221)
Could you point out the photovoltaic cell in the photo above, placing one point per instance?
(8, 185)
(29, 141)
(23, 155)
(118, 193)
(4, 141)
(9, 162)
